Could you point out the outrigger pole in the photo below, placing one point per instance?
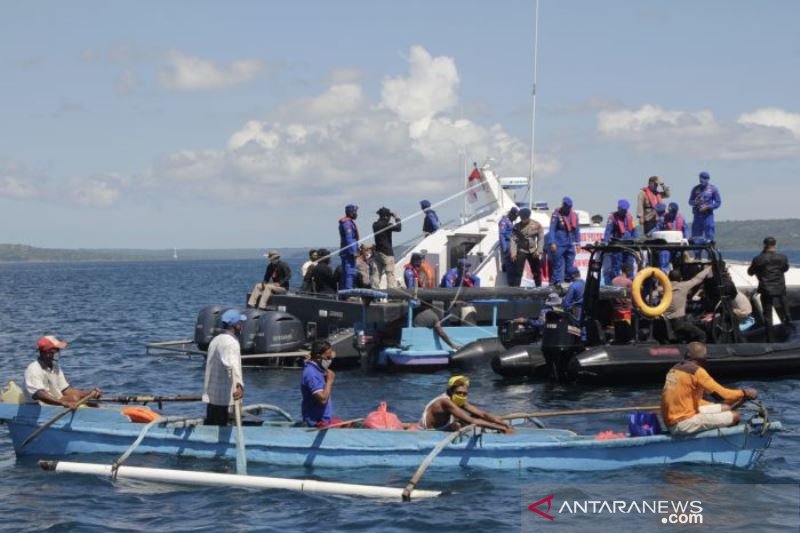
(185, 477)
(532, 166)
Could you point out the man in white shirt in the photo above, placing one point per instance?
(45, 382)
(223, 382)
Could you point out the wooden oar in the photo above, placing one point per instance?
(241, 454)
(38, 431)
(148, 399)
(337, 424)
(412, 484)
(542, 414)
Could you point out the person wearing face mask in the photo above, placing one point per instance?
(365, 264)
(682, 405)
(620, 226)
(45, 382)
(649, 197)
(564, 236)
(504, 229)
(348, 246)
(431, 222)
(316, 386)
(276, 280)
(451, 411)
(704, 199)
(223, 383)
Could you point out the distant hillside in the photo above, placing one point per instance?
(732, 235)
(747, 235)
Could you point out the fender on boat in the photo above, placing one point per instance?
(521, 361)
(478, 352)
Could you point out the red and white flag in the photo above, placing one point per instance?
(472, 181)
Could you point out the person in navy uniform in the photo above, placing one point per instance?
(704, 199)
(573, 299)
(504, 229)
(431, 221)
(564, 235)
(620, 226)
(348, 246)
(460, 276)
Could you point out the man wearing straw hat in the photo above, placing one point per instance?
(451, 411)
(223, 381)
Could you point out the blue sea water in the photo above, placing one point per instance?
(108, 311)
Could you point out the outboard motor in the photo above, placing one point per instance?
(278, 332)
(247, 339)
(208, 325)
(560, 341)
(512, 334)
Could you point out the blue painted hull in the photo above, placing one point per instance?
(107, 431)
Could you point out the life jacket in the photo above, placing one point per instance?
(342, 221)
(622, 224)
(467, 281)
(140, 415)
(676, 224)
(570, 222)
(410, 268)
(653, 198)
(428, 279)
(381, 418)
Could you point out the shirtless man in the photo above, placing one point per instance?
(451, 411)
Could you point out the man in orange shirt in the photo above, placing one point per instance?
(682, 405)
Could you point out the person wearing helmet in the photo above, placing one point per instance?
(504, 230)
(45, 383)
(452, 411)
(646, 202)
(564, 236)
(384, 250)
(348, 246)
(431, 221)
(620, 226)
(527, 246)
(704, 199)
(223, 384)
(682, 405)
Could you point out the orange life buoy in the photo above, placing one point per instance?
(427, 276)
(140, 415)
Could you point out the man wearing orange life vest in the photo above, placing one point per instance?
(682, 405)
(649, 197)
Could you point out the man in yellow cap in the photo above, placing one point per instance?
(451, 411)
(45, 382)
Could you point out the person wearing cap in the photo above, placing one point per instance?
(704, 199)
(769, 267)
(619, 226)
(384, 251)
(276, 280)
(45, 382)
(323, 280)
(452, 411)
(316, 386)
(223, 384)
(365, 264)
(460, 276)
(412, 273)
(682, 405)
(563, 237)
(431, 221)
(553, 302)
(504, 230)
(646, 202)
(573, 299)
(348, 246)
(527, 245)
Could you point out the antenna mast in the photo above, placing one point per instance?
(533, 104)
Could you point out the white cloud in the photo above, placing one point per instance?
(767, 133)
(187, 73)
(96, 191)
(17, 181)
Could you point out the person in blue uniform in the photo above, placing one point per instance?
(563, 237)
(411, 272)
(573, 299)
(620, 226)
(704, 199)
(431, 222)
(661, 225)
(348, 246)
(504, 229)
(674, 221)
(460, 276)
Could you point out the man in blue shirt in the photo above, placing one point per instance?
(348, 245)
(316, 386)
(704, 199)
(573, 300)
(431, 222)
(460, 276)
(505, 228)
(564, 235)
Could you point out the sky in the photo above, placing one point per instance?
(253, 123)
